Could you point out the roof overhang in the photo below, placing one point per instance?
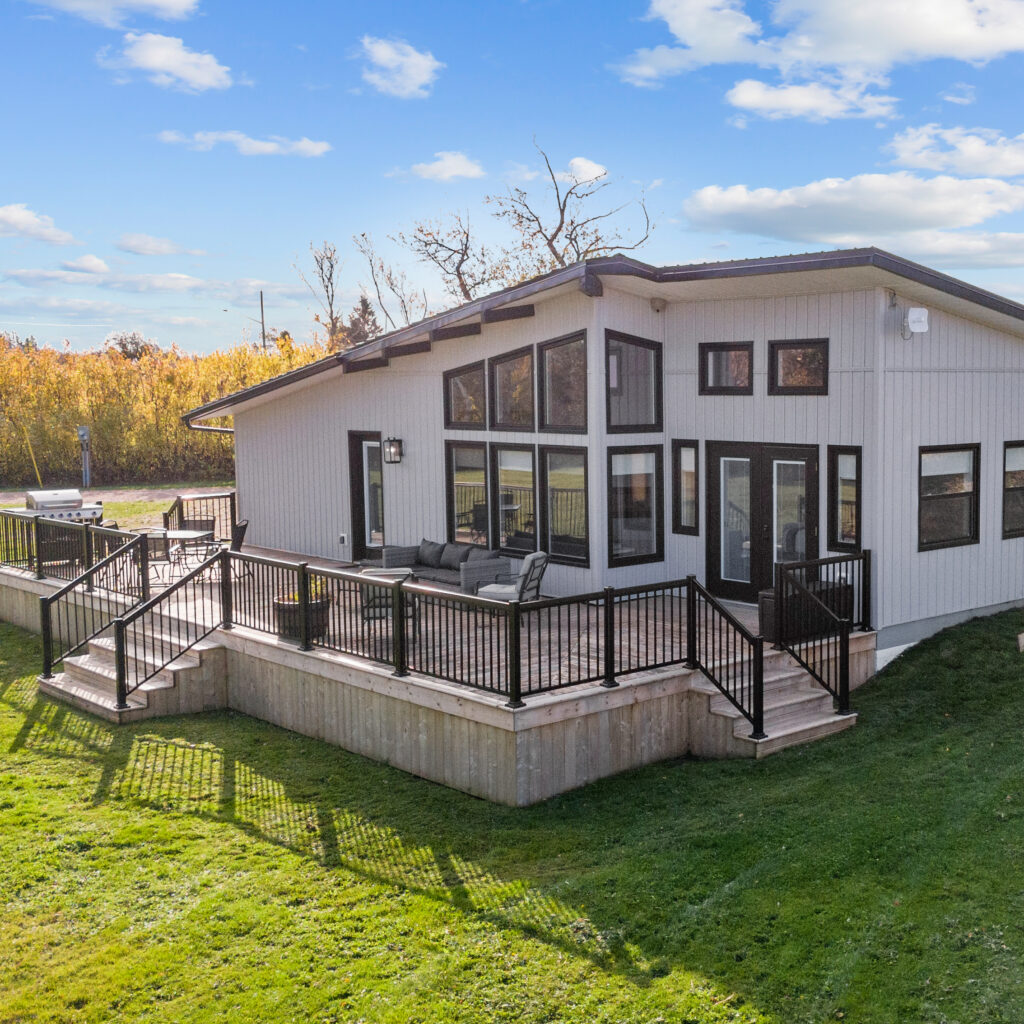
(806, 273)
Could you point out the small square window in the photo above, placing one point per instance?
(727, 368)
(948, 497)
(1013, 489)
(798, 367)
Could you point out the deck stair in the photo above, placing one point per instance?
(796, 710)
(193, 682)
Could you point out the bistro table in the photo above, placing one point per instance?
(177, 547)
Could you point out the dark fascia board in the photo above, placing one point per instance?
(407, 339)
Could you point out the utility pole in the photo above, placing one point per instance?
(263, 322)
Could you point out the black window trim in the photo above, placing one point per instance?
(704, 349)
(975, 538)
(459, 371)
(610, 338)
(677, 487)
(1009, 534)
(449, 483)
(544, 511)
(494, 495)
(834, 451)
(774, 347)
(659, 503)
(542, 424)
(492, 364)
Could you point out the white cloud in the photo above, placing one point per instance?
(112, 12)
(275, 145)
(960, 150)
(581, 169)
(169, 63)
(961, 94)
(149, 245)
(825, 41)
(849, 211)
(17, 220)
(87, 264)
(448, 166)
(816, 101)
(398, 69)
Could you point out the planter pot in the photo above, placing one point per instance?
(289, 618)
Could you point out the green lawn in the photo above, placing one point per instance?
(216, 868)
(132, 515)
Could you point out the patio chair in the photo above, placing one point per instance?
(525, 587)
(375, 602)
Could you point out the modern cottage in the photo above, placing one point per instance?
(642, 424)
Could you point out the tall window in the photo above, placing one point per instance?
(635, 517)
(564, 504)
(685, 517)
(633, 377)
(726, 368)
(465, 398)
(948, 497)
(513, 489)
(563, 384)
(1013, 489)
(512, 391)
(467, 492)
(798, 367)
(844, 489)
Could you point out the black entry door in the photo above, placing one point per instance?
(762, 508)
(366, 478)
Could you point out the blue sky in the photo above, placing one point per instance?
(167, 159)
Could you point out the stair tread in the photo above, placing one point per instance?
(781, 700)
(90, 693)
(103, 671)
(149, 654)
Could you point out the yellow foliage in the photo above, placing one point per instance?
(133, 408)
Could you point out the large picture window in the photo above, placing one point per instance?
(1013, 489)
(635, 516)
(563, 384)
(948, 496)
(633, 379)
(563, 473)
(512, 391)
(798, 367)
(726, 368)
(515, 519)
(685, 515)
(844, 487)
(466, 469)
(465, 397)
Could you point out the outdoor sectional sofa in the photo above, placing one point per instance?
(467, 566)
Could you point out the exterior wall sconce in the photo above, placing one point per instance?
(393, 450)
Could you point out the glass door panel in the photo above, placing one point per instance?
(789, 503)
(373, 495)
(735, 520)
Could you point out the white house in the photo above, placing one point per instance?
(643, 423)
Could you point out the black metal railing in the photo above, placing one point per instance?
(215, 513)
(814, 633)
(89, 604)
(17, 539)
(54, 547)
(842, 583)
(727, 653)
(162, 629)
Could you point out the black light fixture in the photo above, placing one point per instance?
(393, 450)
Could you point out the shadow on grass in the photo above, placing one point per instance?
(851, 877)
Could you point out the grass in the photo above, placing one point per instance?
(133, 515)
(215, 868)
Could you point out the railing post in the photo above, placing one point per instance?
(233, 506)
(305, 643)
(166, 518)
(399, 653)
(144, 566)
(121, 661)
(87, 554)
(515, 659)
(758, 716)
(227, 610)
(609, 638)
(46, 624)
(780, 607)
(844, 667)
(865, 592)
(35, 548)
(692, 654)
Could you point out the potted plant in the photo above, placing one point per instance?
(288, 612)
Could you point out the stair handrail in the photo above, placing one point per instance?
(840, 629)
(748, 696)
(96, 618)
(187, 630)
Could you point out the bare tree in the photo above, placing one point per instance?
(327, 267)
(412, 306)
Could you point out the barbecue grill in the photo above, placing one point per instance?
(67, 505)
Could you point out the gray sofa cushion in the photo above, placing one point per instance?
(430, 553)
(447, 576)
(477, 554)
(454, 555)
